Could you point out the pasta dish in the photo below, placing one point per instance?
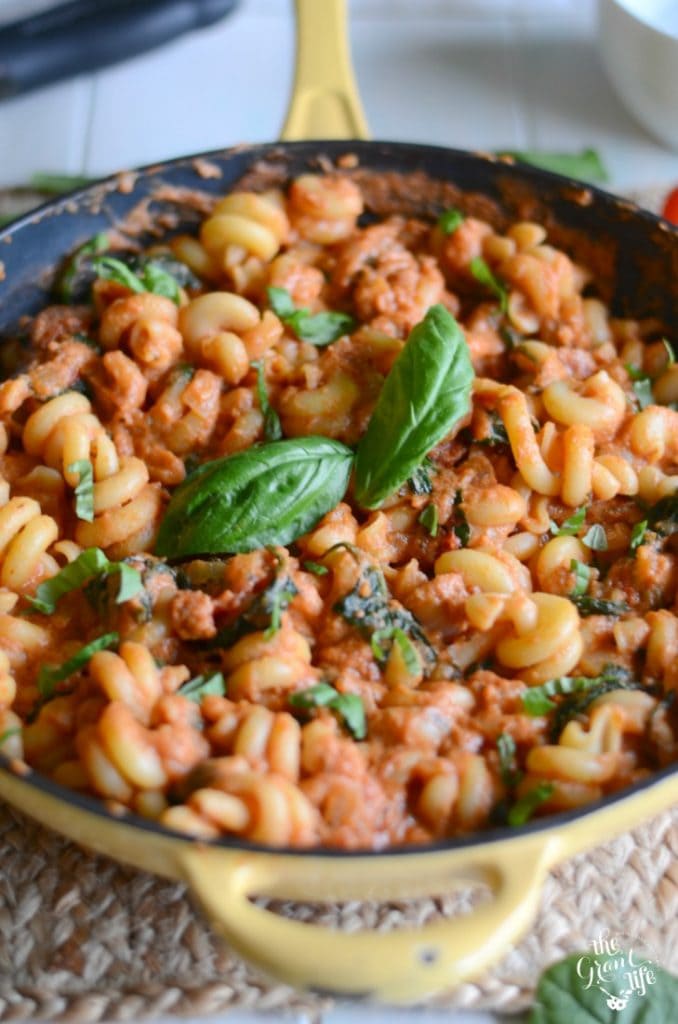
(321, 528)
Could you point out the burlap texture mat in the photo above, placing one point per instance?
(83, 939)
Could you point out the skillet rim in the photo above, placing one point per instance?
(376, 149)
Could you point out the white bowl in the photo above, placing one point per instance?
(639, 48)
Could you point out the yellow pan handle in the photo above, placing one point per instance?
(396, 967)
(325, 103)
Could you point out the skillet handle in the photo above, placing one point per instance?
(396, 967)
(325, 103)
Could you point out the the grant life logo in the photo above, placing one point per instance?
(620, 974)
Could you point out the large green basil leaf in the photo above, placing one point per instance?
(618, 988)
(270, 494)
(427, 391)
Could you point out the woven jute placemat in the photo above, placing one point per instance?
(84, 940)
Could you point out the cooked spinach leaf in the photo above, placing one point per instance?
(663, 517)
(597, 605)
(461, 528)
(508, 766)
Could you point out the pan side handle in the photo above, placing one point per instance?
(325, 103)
(395, 967)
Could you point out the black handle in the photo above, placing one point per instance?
(86, 35)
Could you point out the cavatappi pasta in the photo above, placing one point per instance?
(498, 638)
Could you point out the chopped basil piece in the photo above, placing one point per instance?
(508, 768)
(571, 526)
(582, 575)
(151, 276)
(275, 599)
(90, 563)
(408, 652)
(316, 568)
(84, 491)
(598, 606)
(461, 528)
(202, 686)
(595, 538)
(582, 694)
(370, 609)
(663, 517)
(450, 220)
(420, 481)
(348, 706)
(319, 329)
(638, 535)
(496, 433)
(8, 733)
(51, 675)
(76, 273)
(669, 351)
(428, 518)
(536, 700)
(272, 427)
(523, 809)
(643, 392)
(483, 275)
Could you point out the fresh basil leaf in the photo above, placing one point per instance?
(50, 675)
(571, 526)
(348, 706)
(483, 275)
(523, 809)
(424, 396)
(582, 575)
(508, 768)
(596, 988)
(84, 491)
(113, 269)
(317, 328)
(316, 568)
(536, 700)
(450, 220)
(428, 518)
(584, 166)
(598, 606)
(595, 538)
(202, 686)
(78, 269)
(271, 494)
(420, 481)
(272, 426)
(370, 609)
(461, 528)
(90, 563)
(663, 517)
(638, 535)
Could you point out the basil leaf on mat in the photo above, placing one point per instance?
(426, 393)
(266, 495)
(621, 987)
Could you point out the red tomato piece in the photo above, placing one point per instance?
(670, 210)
